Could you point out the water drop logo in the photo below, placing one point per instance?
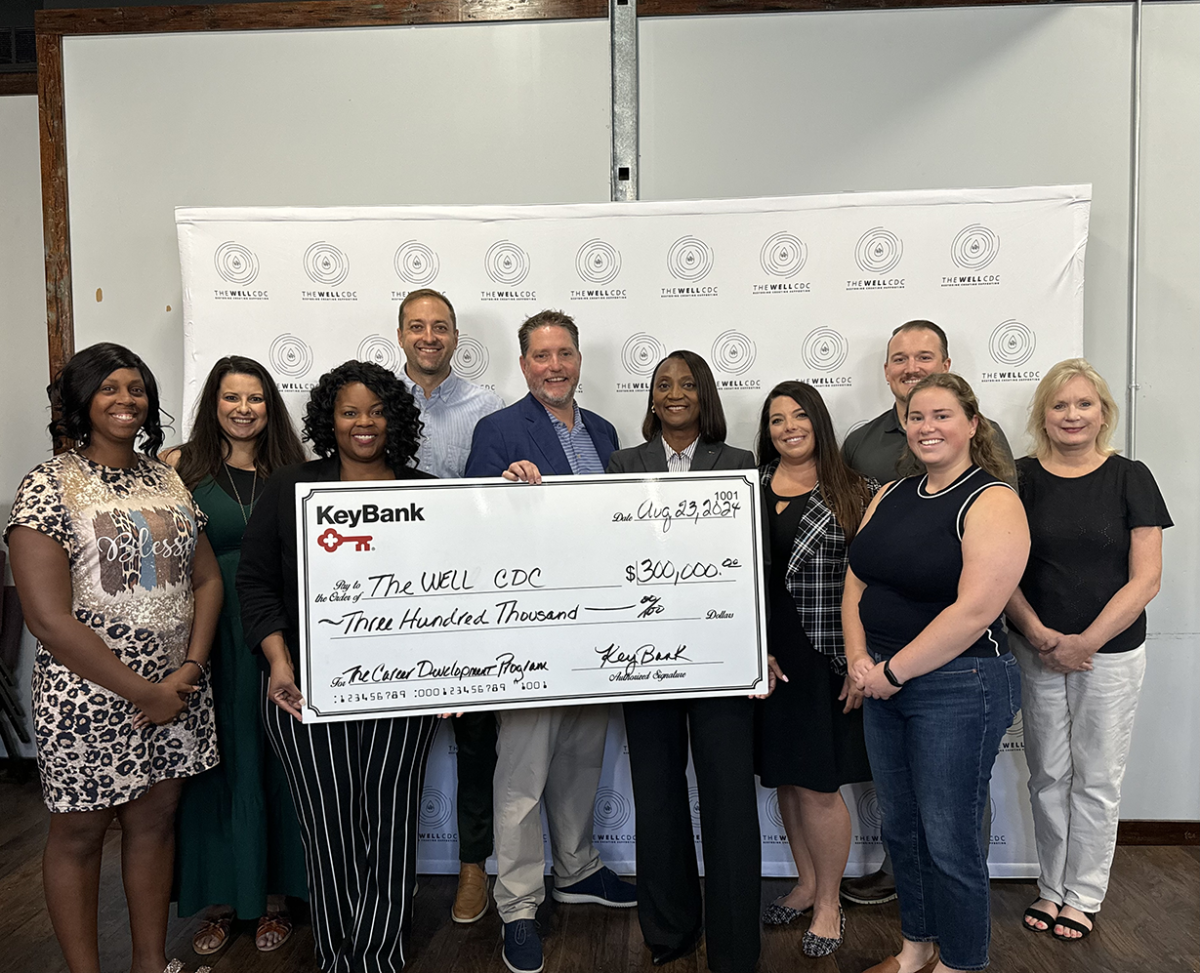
(689, 259)
(506, 263)
(612, 810)
(878, 251)
(974, 247)
(1012, 343)
(641, 352)
(783, 255)
(326, 264)
(379, 350)
(470, 358)
(598, 262)
(236, 264)
(733, 352)
(416, 264)
(824, 350)
(290, 356)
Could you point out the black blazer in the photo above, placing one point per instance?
(651, 457)
(266, 577)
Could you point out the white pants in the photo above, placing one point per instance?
(1077, 732)
(552, 755)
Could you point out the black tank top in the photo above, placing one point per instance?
(909, 555)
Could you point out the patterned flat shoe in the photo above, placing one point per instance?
(814, 945)
(777, 914)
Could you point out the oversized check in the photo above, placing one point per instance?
(448, 595)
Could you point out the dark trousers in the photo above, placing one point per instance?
(668, 884)
(475, 741)
(357, 789)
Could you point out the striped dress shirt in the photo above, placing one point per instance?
(577, 443)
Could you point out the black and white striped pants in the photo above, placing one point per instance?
(357, 790)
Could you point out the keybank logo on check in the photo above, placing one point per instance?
(369, 513)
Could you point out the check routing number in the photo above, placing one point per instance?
(449, 595)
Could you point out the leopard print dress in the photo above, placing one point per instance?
(130, 536)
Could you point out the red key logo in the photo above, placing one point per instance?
(331, 540)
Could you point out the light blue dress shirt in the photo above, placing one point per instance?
(449, 416)
(577, 443)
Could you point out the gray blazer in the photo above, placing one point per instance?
(651, 457)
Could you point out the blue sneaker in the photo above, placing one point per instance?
(522, 947)
(602, 888)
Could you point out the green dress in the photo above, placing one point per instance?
(237, 835)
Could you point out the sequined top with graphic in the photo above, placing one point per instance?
(130, 535)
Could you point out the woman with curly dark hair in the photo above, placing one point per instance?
(121, 589)
(360, 841)
(237, 851)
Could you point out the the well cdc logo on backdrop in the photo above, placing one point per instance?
(783, 255)
(824, 350)
(416, 264)
(326, 264)
(1012, 343)
(689, 259)
(974, 247)
(436, 811)
(236, 264)
(878, 251)
(733, 352)
(641, 352)
(291, 356)
(380, 351)
(598, 262)
(470, 358)
(506, 263)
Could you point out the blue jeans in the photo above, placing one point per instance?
(932, 746)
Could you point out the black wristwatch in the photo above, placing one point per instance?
(891, 676)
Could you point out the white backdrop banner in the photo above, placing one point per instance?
(805, 287)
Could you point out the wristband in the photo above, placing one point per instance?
(891, 676)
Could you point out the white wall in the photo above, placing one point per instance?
(23, 437)
(999, 96)
(731, 106)
(1161, 781)
(512, 113)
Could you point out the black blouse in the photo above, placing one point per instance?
(266, 578)
(1079, 528)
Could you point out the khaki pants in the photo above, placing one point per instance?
(552, 755)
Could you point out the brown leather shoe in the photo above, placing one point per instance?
(471, 900)
(892, 965)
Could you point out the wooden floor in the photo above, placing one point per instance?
(1150, 923)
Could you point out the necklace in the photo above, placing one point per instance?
(253, 487)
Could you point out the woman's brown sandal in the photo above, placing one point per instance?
(218, 929)
(279, 923)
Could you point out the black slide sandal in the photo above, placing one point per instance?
(1039, 916)
(1079, 927)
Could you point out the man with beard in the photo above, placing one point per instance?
(551, 755)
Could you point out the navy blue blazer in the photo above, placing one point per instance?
(523, 432)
